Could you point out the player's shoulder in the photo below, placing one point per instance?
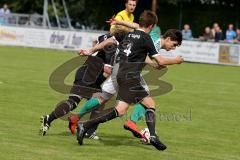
(104, 37)
(142, 33)
(122, 15)
(123, 12)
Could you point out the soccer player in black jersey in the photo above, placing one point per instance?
(88, 80)
(131, 55)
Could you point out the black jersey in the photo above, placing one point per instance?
(91, 73)
(89, 77)
(133, 52)
(108, 52)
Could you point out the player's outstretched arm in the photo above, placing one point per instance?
(97, 47)
(114, 21)
(168, 61)
(150, 62)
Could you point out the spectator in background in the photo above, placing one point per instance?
(218, 34)
(207, 35)
(186, 32)
(237, 40)
(230, 33)
(215, 25)
(4, 12)
(30, 21)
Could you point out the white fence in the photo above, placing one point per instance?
(208, 52)
(46, 38)
(192, 51)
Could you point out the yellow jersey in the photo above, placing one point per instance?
(122, 16)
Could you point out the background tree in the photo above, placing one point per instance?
(171, 13)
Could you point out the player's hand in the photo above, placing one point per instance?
(159, 67)
(83, 52)
(112, 21)
(179, 59)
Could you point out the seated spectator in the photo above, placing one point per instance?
(30, 21)
(230, 33)
(207, 35)
(4, 12)
(237, 40)
(186, 32)
(218, 34)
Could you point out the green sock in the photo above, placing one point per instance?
(138, 113)
(90, 104)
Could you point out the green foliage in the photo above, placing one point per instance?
(198, 13)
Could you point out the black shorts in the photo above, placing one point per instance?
(131, 91)
(88, 78)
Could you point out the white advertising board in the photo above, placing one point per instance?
(45, 38)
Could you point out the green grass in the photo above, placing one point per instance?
(211, 92)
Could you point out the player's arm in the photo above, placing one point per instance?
(114, 21)
(107, 70)
(150, 62)
(168, 61)
(157, 56)
(98, 47)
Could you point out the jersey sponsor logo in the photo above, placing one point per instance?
(134, 36)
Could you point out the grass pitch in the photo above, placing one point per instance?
(199, 119)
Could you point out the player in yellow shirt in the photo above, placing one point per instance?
(125, 15)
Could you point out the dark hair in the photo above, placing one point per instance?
(147, 18)
(131, 0)
(174, 35)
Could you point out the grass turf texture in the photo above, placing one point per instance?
(210, 91)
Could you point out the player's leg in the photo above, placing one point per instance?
(150, 121)
(108, 90)
(102, 99)
(104, 116)
(91, 133)
(61, 110)
(89, 105)
(138, 113)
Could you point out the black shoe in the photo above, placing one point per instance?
(81, 131)
(45, 125)
(154, 140)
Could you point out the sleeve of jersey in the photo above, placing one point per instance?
(151, 49)
(109, 59)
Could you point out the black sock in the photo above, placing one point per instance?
(104, 116)
(150, 120)
(94, 114)
(52, 117)
(64, 108)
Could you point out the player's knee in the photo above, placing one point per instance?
(121, 111)
(101, 100)
(104, 97)
(74, 101)
(148, 102)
